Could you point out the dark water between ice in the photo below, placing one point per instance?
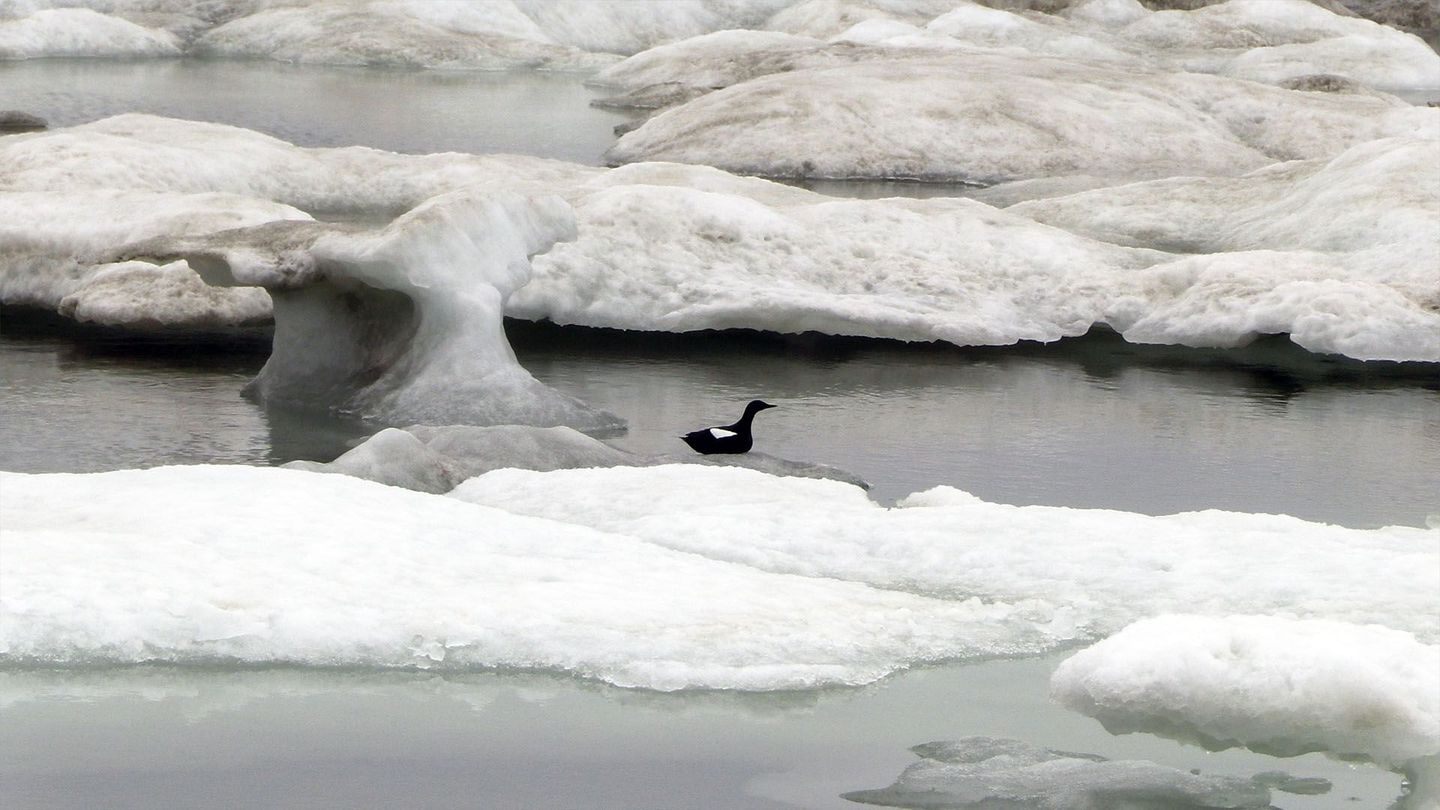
(1089, 423)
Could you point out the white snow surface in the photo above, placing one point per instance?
(169, 565)
(1080, 573)
(781, 583)
(1335, 251)
(1278, 685)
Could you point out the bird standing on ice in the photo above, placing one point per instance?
(734, 438)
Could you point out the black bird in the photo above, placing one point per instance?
(734, 438)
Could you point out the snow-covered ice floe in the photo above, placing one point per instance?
(1272, 684)
(446, 34)
(1335, 251)
(989, 118)
(977, 773)
(624, 574)
(1272, 41)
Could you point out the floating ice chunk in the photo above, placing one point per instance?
(990, 118)
(55, 248)
(823, 19)
(401, 324)
(1340, 254)
(757, 255)
(669, 247)
(169, 565)
(977, 773)
(490, 36)
(80, 32)
(714, 60)
(1271, 684)
(140, 295)
(1093, 570)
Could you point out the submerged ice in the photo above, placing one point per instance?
(979, 773)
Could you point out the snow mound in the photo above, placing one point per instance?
(986, 118)
(80, 32)
(169, 565)
(399, 324)
(984, 772)
(1079, 573)
(491, 36)
(1272, 684)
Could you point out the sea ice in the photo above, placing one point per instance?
(984, 773)
(990, 118)
(79, 32)
(169, 565)
(57, 248)
(398, 324)
(1269, 683)
(1081, 573)
(1333, 250)
(451, 35)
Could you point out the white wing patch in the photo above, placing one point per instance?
(721, 433)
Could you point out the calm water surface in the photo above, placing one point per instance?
(1090, 423)
(416, 111)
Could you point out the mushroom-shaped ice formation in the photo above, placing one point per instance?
(400, 324)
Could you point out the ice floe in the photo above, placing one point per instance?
(402, 323)
(976, 773)
(209, 565)
(79, 32)
(989, 118)
(491, 36)
(1272, 684)
(1333, 251)
(57, 251)
(1092, 571)
(448, 34)
(798, 583)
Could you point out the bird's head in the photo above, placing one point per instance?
(757, 405)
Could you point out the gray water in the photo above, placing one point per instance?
(160, 737)
(414, 111)
(1089, 423)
